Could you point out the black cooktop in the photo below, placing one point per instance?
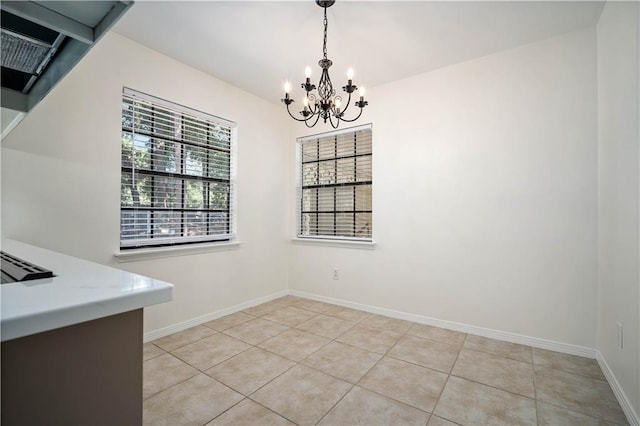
(15, 269)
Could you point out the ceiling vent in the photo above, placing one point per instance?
(43, 40)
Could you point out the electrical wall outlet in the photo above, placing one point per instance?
(336, 276)
(620, 335)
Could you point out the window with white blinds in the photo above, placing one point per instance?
(335, 185)
(177, 174)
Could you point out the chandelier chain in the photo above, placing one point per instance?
(324, 43)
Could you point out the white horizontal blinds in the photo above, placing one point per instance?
(336, 185)
(176, 184)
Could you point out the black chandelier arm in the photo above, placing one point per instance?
(346, 106)
(313, 103)
(354, 119)
(335, 126)
(292, 116)
(306, 122)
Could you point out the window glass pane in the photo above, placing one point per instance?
(195, 130)
(309, 199)
(195, 224)
(134, 115)
(344, 198)
(346, 170)
(325, 224)
(363, 169)
(344, 224)
(195, 160)
(346, 145)
(127, 113)
(135, 151)
(327, 148)
(167, 192)
(219, 164)
(364, 142)
(218, 196)
(166, 123)
(167, 224)
(219, 137)
(325, 199)
(309, 151)
(363, 197)
(309, 224)
(310, 174)
(135, 190)
(327, 172)
(165, 155)
(135, 224)
(218, 223)
(196, 194)
(363, 225)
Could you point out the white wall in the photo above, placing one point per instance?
(61, 178)
(485, 194)
(485, 208)
(619, 186)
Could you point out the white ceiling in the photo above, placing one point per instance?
(258, 45)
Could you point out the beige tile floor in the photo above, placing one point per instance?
(299, 361)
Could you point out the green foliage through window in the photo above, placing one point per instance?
(176, 178)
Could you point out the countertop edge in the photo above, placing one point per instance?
(26, 326)
(29, 309)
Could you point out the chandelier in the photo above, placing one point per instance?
(325, 104)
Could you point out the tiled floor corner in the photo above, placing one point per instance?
(294, 361)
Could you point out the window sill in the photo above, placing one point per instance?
(134, 255)
(363, 245)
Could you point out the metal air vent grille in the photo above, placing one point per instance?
(24, 53)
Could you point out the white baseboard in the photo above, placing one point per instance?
(156, 334)
(465, 328)
(627, 407)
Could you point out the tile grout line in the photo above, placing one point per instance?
(383, 356)
(296, 363)
(186, 344)
(224, 411)
(376, 364)
(582, 413)
(274, 378)
(353, 385)
(435, 405)
(535, 387)
(172, 386)
(322, 372)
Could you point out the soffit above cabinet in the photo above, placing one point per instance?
(43, 40)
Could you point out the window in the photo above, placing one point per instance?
(335, 184)
(177, 175)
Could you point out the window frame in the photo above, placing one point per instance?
(185, 118)
(300, 187)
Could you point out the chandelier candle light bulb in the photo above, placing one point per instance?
(325, 103)
(287, 89)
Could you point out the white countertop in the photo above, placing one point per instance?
(81, 291)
